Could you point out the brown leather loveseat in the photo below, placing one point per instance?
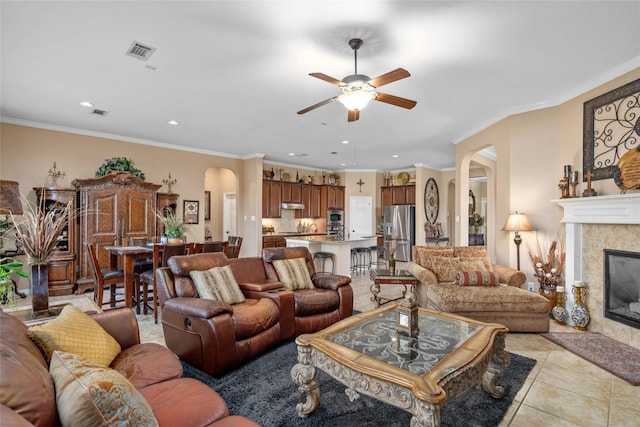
(216, 337)
(28, 395)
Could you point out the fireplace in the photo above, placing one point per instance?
(622, 286)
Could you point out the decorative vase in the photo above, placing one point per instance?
(392, 265)
(560, 314)
(39, 288)
(550, 294)
(580, 314)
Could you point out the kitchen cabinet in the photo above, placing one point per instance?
(271, 199)
(292, 192)
(311, 195)
(398, 195)
(332, 197)
(273, 242)
(115, 207)
(61, 267)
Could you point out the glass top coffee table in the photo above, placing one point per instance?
(419, 374)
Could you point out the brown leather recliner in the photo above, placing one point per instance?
(211, 335)
(314, 309)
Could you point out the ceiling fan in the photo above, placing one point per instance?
(358, 89)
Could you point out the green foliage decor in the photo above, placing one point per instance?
(174, 226)
(119, 164)
(476, 220)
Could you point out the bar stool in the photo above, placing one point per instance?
(377, 256)
(323, 257)
(362, 259)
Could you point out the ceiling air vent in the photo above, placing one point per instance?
(140, 51)
(97, 112)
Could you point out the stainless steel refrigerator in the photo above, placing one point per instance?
(399, 231)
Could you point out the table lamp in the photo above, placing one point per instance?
(517, 222)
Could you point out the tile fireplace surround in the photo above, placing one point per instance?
(593, 224)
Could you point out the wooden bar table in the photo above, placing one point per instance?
(128, 254)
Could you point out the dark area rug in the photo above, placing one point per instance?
(613, 356)
(263, 391)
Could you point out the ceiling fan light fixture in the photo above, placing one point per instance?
(356, 99)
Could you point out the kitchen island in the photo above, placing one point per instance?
(341, 248)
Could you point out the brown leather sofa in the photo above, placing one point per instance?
(216, 337)
(27, 394)
(314, 309)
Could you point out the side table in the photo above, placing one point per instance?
(384, 277)
(56, 304)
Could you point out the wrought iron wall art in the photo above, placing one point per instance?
(611, 128)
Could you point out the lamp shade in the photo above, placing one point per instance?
(10, 198)
(517, 222)
(355, 100)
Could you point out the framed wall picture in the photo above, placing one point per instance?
(610, 130)
(207, 205)
(191, 209)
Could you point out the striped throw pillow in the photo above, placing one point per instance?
(293, 273)
(476, 278)
(217, 283)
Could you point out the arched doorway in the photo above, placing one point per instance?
(220, 186)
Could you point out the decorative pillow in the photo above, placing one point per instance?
(445, 268)
(476, 278)
(75, 332)
(471, 265)
(88, 394)
(469, 251)
(217, 283)
(488, 266)
(293, 273)
(425, 253)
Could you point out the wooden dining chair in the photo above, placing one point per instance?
(202, 247)
(232, 246)
(109, 278)
(161, 254)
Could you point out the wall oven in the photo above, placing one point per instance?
(335, 222)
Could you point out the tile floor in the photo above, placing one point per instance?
(562, 389)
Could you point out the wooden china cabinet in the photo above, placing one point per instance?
(61, 267)
(115, 207)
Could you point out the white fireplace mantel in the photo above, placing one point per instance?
(614, 209)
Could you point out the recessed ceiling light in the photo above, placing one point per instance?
(173, 123)
(86, 104)
(345, 142)
(292, 154)
(395, 156)
(343, 164)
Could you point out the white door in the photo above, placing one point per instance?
(229, 216)
(360, 214)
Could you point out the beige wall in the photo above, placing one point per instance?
(27, 153)
(531, 151)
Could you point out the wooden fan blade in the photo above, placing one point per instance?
(395, 100)
(319, 104)
(326, 78)
(353, 115)
(390, 77)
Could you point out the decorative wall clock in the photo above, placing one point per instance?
(431, 201)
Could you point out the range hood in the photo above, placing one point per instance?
(290, 205)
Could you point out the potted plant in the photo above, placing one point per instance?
(37, 232)
(119, 164)
(476, 221)
(174, 227)
(9, 266)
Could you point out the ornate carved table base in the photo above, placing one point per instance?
(425, 409)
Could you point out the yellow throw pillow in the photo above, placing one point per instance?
(293, 273)
(75, 332)
(88, 394)
(217, 283)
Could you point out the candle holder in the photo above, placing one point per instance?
(169, 182)
(407, 315)
(55, 175)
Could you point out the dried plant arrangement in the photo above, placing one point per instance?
(38, 230)
(549, 270)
